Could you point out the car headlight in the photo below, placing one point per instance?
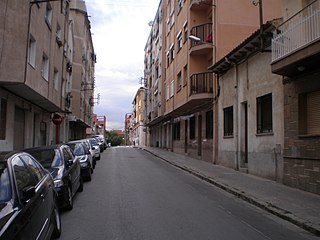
(58, 183)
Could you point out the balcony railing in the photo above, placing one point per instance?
(297, 32)
(204, 32)
(201, 83)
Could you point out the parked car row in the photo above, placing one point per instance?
(37, 182)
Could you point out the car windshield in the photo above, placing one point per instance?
(77, 148)
(5, 189)
(93, 142)
(47, 157)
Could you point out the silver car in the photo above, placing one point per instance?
(96, 148)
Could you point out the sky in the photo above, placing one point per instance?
(120, 32)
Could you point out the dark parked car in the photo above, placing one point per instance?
(64, 167)
(81, 150)
(28, 208)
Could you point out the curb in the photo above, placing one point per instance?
(279, 212)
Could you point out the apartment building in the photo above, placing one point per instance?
(36, 72)
(32, 71)
(138, 130)
(296, 57)
(194, 35)
(82, 61)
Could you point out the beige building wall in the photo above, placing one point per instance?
(31, 90)
(240, 88)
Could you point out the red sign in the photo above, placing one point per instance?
(57, 119)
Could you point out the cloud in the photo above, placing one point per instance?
(120, 31)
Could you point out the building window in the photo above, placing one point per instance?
(171, 90)
(228, 121)
(179, 81)
(157, 72)
(209, 124)
(59, 36)
(264, 114)
(192, 128)
(48, 16)
(180, 4)
(176, 131)
(3, 118)
(168, 59)
(56, 79)
(171, 53)
(185, 30)
(185, 75)
(32, 51)
(45, 67)
(309, 114)
(179, 40)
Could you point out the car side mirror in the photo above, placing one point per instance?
(28, 193)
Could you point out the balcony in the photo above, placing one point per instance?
(200, 4)
(201, 83)
(296, 43)
(204, 32)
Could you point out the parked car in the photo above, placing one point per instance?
(64, 167)
(91, 149)
(102, 140)
(96, 147)
(28, 207)
(101, 146)
(81, 150)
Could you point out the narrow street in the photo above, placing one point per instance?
(134, 195)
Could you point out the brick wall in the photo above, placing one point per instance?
(301, 153)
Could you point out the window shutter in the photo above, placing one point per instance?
(313, 112)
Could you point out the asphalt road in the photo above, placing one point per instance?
(134, 195)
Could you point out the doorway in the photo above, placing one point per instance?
(19, 122)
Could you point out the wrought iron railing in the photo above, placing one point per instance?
(204, 32)
(297, 32)
(201, 83)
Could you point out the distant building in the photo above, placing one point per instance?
(82, 63)
(138, 118)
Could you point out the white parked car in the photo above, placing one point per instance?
(95, 147)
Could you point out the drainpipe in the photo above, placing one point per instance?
(236, 131)
(216, 88)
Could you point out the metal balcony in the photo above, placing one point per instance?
(297, 32)
(204, 32)
(201, 83)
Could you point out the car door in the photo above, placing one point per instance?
(44, 188)
(72, 166)
(32, 214)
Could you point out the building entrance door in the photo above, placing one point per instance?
(19, 122)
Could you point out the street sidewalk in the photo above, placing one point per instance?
(299, 207)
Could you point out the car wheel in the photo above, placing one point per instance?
(56, 222)
(94, 163)
(80, 189)
(98, 158)
(70, 199)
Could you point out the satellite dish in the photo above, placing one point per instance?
(150, 23)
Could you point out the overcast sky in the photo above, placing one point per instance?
(120, 31)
